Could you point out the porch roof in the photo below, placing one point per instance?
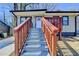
(38, 12)
(44, 12)
(62, 13)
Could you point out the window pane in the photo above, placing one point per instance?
(22, 20)
(65, 20)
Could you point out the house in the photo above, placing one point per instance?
(4, 28)
(66, 23)
(69, 19)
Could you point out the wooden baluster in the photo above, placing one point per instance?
(16, 43)
(50, 41)
(20, 40)
(54, 44)
(26, 30)
(21, 37)
(23, 34)
(27, 27)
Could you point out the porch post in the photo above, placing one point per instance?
(60, 27)
(75, 25)
(18, 20)
(33, 21)
(14, 22)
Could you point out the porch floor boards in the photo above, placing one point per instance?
(69, 46)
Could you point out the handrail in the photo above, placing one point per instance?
(59, 20)
(20, 34)
(50, 32)
(57, 23)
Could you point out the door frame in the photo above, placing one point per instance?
(36, 20)
(76, 25)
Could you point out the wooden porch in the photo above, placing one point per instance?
(22, 33)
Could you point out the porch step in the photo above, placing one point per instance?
(31, 43)
(35, 48)
(32, 53)
(35, 44)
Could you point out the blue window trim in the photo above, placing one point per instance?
(67, 21)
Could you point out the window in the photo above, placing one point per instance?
(65, 20)
(22, 19)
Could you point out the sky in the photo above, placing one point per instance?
(6, 7)
(67, 6)
(61, 6)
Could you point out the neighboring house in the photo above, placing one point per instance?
(4, 28)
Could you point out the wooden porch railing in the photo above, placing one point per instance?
(50, 32)
(57, 22)
(20, 34)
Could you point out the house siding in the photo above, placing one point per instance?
(70, 29)
(77, 24)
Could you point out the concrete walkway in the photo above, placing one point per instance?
(6, 42)
(7, 46)
(7, 51)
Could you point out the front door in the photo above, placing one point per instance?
(33, 21)
(55, 21)
(38, 22)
